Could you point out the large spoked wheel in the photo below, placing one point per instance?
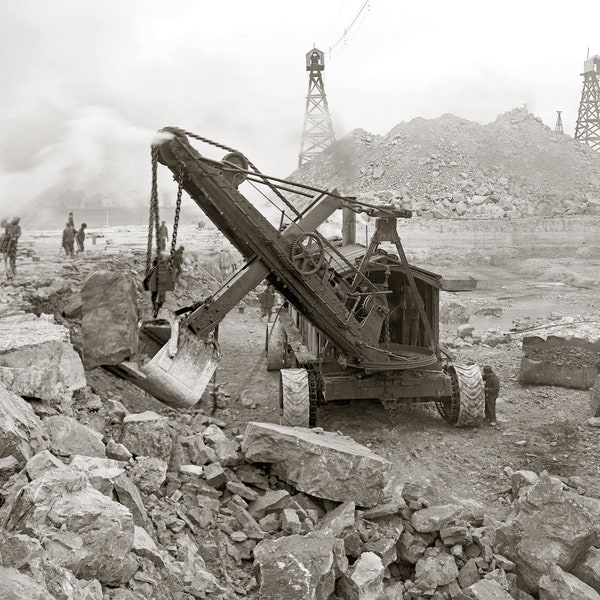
(297, 398)
(466, 407)
(307, 253)
(276, 346)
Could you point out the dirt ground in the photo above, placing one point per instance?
(539, 427)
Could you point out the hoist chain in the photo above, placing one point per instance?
(177, 211)
(153, 214)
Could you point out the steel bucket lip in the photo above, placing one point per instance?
(180, 380)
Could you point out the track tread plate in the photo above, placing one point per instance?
(472, 396)
(294, 390)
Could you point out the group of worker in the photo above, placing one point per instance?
(8, 245)
(70, 236)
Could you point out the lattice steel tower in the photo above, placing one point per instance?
(318, 129)
(558, 128)
(588, 118)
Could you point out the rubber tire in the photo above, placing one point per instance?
(294, 397)
(472, 396)
(276, 346)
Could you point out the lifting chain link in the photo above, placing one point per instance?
(153, 213)
(177, 210)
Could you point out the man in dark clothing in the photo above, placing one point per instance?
(4, 244)
(68, 240)
(14, 232)
(267, 301)
(177, 259)
(159, 281)
(163, 236)
(80, 237)
(492, 388)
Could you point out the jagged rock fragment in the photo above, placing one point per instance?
(147, 434)
(325, 465)
(109, 325)
(297, 567)
(38, 361)
(21, 431)
(69, 437)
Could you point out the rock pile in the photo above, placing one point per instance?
(454, 168)
(178, 506)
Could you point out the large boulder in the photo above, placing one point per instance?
(37, 359)
(147, 434)
(560, 585)
(588, 568)
(298, 567)
(79, 527)
(548, 526)
(21, 432)
(16, 586)
(110, 318)
(321, 464)
(453, 312)
(69, 437)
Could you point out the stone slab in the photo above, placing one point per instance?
(37, 359)
(69, 437)
(325, 465)
(21, 431)
(109, 325)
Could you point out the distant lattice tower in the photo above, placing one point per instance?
(558, 128)
(588, 118)
(318, 129)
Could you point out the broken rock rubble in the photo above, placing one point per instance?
(203, 521)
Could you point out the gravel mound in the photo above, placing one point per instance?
(455, 168)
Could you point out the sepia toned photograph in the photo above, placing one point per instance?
(299, 300)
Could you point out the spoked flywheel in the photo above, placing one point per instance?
(307, 253)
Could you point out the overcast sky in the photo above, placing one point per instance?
(87, 82)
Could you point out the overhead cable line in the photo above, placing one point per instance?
(347, 30)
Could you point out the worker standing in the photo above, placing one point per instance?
(177, 260)
(14, 233)
(68, 240)
(492, 388)
(80, 237)
(163, 236)
(159, 281)
(267, 301)
(4, 243)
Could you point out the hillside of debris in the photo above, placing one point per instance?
(451, 167)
